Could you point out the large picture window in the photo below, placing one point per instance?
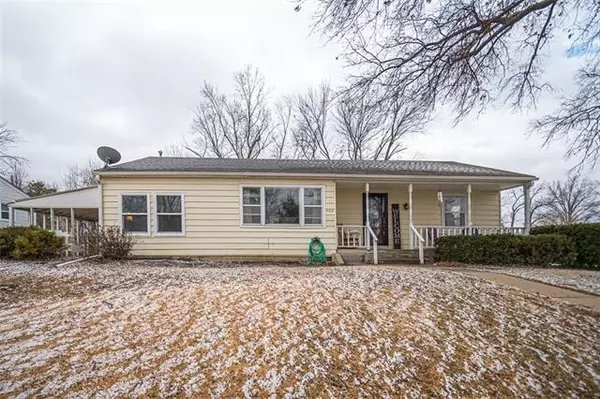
(454, 211)
(169, 213)
(285, 206)
(134, 213)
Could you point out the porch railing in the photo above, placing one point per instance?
(352, 236)
(431, 233)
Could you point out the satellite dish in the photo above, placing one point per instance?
(108, 155)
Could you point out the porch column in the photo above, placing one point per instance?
(35, 218)
(30, 216)
(367, 222)
(527, 207)
(11, 216)
(410, 216)
(44, 221)
(52, 219)
(469, 219)
(72, 231)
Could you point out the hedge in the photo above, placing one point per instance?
(29, 243)
(505, 249)
(585, 237)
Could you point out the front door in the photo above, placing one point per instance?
(378, 216)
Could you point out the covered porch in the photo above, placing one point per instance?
(412, 215)
(68, 213)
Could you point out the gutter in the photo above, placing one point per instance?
(352, 177)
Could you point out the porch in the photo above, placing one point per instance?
(411, 216)
(69, 214)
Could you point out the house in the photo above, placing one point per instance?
(248, 208)
(9, 193)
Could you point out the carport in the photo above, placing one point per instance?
(68, 213)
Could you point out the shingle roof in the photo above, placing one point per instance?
(300, 166)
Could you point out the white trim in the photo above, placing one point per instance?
(135, 233)
(469, 220)
(325, 176)
(100, 205)
(181, 233)
(410, 215)
(263, 212)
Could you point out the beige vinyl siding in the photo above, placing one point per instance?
(485, 208)
(212, 218)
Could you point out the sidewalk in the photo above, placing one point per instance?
(563, 294)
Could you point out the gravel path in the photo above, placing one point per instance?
(140, 329)
(583, 280)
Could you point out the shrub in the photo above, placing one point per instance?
(110, 242)
(585, 237)
(35, 243)
(503, 249)
(8, 236)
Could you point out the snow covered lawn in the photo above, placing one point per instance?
(583, 280)
(140, 329)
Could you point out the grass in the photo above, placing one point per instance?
(139, 330)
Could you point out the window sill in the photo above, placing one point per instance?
(173, 234)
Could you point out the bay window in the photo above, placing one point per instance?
(455, 211)
(285, 206)
(134, 213)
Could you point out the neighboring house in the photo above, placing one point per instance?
(263, 207)
(8, 194)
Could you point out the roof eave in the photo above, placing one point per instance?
(408, 177)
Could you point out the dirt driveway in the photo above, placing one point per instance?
(148, 330)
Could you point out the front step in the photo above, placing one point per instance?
(399, 256)
(386, 256)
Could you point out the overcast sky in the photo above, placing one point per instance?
(77, 75)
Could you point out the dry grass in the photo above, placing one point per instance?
(140, 330)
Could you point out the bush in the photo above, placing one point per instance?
(8, 236)
(35, 243)
(585, 237)
(110, 242)
(503, 249)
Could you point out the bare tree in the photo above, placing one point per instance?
(284, 116)
(311, 136)
(513, 205)
(358, 122)
(578, 119)
(401, 120)
(16, 173)
(575, 200)
(470, 53)
(80, 176)
(8, 139)
(239, 126)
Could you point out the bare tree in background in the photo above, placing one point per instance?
(284, 117)
(239, 126)
(311, 133)
(469, 53)
(16, 173)
(513, 205)
(81, 176)
(8, 139)
(358, 122)
(575, 200)
(402, 119)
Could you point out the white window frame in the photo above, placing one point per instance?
(1, 211)
(182, 214)
(444, 209)
(148, 210)
(263, 223)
